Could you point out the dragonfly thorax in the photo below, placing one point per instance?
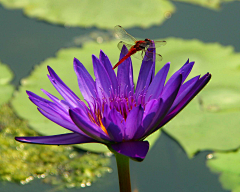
(142, 44)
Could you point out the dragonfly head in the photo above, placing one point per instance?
(148, 41)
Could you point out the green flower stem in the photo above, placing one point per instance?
(123, 172)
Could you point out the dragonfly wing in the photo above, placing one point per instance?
(139, 55)
(158, 57)
(158, 44)
(120, 33)
(121, 43)
(149, 56)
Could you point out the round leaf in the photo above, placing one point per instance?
(210, 121)
(101, 14)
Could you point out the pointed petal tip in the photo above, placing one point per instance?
(208, 77)
(63, 139)
(124, 50)
(75, 59)
(24, 140)
(187, 62)
(28, 92)
(167, 65)
(49, 69)
(102, 52)
(191, 63)
(95, 60)
(21, 139)
(94, 56)
(76, 62)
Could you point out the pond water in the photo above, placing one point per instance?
(25, 42)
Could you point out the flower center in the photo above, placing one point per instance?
(122, 103)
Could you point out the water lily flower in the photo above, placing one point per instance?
(117, 114)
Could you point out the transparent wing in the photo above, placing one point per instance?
(158, 57)
(121, 43)
(149, 56)
(158, 44)
(120, 33)
(138, 54)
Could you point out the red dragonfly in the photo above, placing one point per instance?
(137, 48)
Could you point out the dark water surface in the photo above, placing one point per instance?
(25, 42)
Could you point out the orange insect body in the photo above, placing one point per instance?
(139, 46)
(135, 46)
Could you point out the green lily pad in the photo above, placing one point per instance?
(210, 121)
(63, 65)
(212, 4)
(101, 14)
(6, 90)
(227, 165)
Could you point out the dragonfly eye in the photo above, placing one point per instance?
(148, 41)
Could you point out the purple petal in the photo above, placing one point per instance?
(125, 73)
(147, 71)
(195, 90)
(49, 107)
(63, 89)
(151, 110)
(137, 150)
(106, 110)
(167, 98)
(64, 122)
(64, 139)
(171, 87)
(85, 81)
(156, 114)
(103, 82)
(156, 87)
(184, 90)
(88, 127)
(115, 117)
(54, 112)
(184, 70)
(133, 121)
(108, 66)
(115, 133)
(62, 103)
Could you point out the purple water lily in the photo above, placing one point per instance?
(117, 114)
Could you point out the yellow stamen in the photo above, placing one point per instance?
(99, 121)
(102, 126)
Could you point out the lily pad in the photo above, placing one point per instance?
(210, 121)
(6, 89)
(212, 4)
(227, 165)
(63, 65)
(90, 13)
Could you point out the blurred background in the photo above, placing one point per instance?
(198, 151)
